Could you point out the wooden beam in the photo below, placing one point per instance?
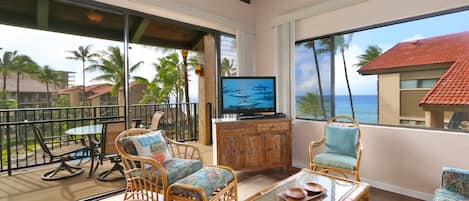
(197, 41)
(140, 30)
(42, 15)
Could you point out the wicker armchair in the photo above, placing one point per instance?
(344, 157)
(148, 179)
(155, 120)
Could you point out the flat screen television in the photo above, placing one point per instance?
(248, 95)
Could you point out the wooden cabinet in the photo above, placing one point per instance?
(252, 144)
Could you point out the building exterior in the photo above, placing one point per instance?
(422, 82)
(100, 94)
(32, 92)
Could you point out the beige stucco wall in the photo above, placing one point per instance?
(407, 161)
(410, 98)
(389, 98)
(75, 98)
(410, 159)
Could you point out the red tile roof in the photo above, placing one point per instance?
(96, 89)
(453, 87)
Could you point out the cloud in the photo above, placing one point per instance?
(359, 84)
(415, 37)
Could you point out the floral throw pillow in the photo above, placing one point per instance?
(152, 145)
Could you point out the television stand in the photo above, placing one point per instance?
(254, 144)
(244, 117)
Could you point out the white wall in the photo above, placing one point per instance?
(227, 15)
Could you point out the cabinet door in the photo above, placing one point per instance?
(253, 151)
(275, 148)
(230, 150)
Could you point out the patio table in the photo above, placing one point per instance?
(90, 131)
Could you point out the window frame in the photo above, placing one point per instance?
(365, 28)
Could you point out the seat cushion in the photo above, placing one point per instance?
(210, 179)
(152, 145)
(177, 168)
(336, 160)
(446, 195)
(456, 180)
(341, 140)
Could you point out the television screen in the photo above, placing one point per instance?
(248, 94)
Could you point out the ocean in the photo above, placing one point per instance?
(366, 108)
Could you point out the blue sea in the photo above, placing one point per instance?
(366, 108)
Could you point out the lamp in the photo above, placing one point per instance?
(199, 69)
(93, 16)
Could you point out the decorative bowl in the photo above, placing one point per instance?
(313, 188)
(296, 193)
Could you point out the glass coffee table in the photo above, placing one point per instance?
(338, 189)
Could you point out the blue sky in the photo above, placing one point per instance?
(385, 37)
(49, 48)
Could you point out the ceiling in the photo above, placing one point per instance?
(57, 16)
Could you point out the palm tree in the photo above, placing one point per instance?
(112, 67)
(227, 67)
(370, 53)
(343, 42)
(47, 75)
(6, 65)
(83, 54)
(22, 64)
(310, 104)
(311, 45)
(166, 83)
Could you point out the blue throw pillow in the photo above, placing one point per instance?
(341, 140)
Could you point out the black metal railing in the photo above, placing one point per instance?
(20, 149)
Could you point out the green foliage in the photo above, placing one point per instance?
(111, 65)
(61, 101)
(370, 53)
(227, 68)
(169, 80)
(309, 104)
(6, 103)
(47, 75)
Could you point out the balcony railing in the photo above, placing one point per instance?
(20, 149)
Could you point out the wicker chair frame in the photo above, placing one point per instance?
(349, 122)
(146, 178)
(227, 193)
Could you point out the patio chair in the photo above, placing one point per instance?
(155, 120)
(342, 148)
(63, 153)
(108, 150)
(152, 162)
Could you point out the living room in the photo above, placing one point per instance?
(401, 159)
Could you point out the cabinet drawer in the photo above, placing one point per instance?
(236, 129)
(277, 126)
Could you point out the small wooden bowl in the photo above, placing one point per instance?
(296, 193)
(313, 188)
